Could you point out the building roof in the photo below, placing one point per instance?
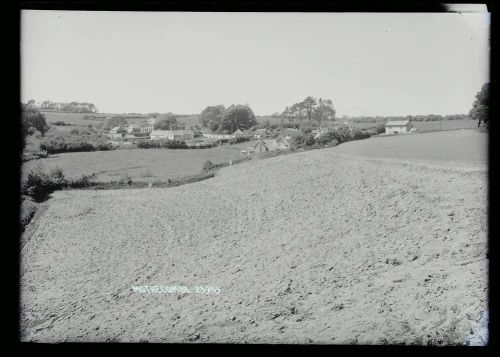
(397, 123)
(161, 132)
(238, 132)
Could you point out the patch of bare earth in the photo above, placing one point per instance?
(307, 248)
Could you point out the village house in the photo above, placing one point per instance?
(172, 135)
(133, 129)
(115, 133)
(397, 126)
(145, 129)
(218, 136)
(151, 125)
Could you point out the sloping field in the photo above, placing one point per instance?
(306, 248)
(450, 148)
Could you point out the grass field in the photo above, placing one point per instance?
(458, 147)
(141, 165)
(75, 119)
(425, 126)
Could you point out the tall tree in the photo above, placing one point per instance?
(31, 119)
(166, 121)
(309, 105)
(237, 117)
(210, 116)
(324, 110)
(480, 106)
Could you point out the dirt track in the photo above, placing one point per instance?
(309, 247)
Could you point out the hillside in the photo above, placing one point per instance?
(306, 248)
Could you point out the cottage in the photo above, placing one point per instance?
(115, 133)
(151, 125)
(183, 134)
(172, 135)
(218, 136)
(397, 126)
(133, 129)
(145, 129)
(238, 132)
(161, 134)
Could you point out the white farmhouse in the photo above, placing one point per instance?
(172, 134)
(397, 126)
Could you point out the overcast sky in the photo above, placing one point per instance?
(367, 64)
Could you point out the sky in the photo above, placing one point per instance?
(181, 62)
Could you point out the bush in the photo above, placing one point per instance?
(309, 140)
(359, 134)
(28, 210)
(208, 165)
(380, 129)
(39, 183)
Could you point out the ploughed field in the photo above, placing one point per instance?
(313, 247)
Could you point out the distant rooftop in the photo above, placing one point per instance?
(397, 123)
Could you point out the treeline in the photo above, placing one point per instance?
(72, 107)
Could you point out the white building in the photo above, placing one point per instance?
(172, 134)
(397, 126)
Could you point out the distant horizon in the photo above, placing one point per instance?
(368, 64)
(257, 115)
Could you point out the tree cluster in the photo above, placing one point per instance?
(311, 109)
(227, 120)
(72, 107)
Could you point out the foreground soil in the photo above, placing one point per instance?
(306, 248)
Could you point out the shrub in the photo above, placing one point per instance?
(309, 140)
(359, 134)
(208, 165)
(380, 129)
(39, 183)
(28, 210)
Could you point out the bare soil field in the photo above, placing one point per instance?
(141, 165)
(313, 247)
